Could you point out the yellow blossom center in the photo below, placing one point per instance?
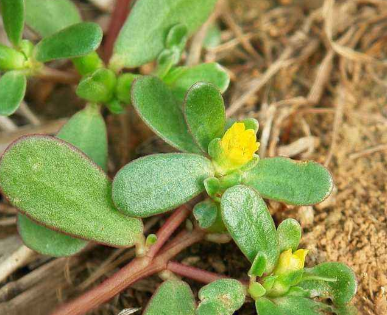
(289, 261)
(239, 144)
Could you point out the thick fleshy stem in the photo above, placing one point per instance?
(117, 20)
(139, 268)
(193, 273)
(168, 228)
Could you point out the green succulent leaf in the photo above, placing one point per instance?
(123, 87)
(177, 37)
(115, 106)
(256, 290)
(258, 266)
(283, 283)
(289, 181)
(264, 306)
(143, 35)
(11, 59)
(251, 123)
(289, 305)
(295, 305)
(86, 130)
(73, 41)
(182, 78)
(88, 64)
(39, 173)
(99, 87)
(229, 292)
(250, 224)
(212, 186)
(12, 90)
(13, 19)
(157, 106)
(341, 287)
(205, 213)
(289, 234)
(212, 307)
(47, 17)
(166, 60)
(204, 113)
(173, 297)
(159, 183)
(45, 241)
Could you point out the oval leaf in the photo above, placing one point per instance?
(342, 285)
(11, 59)
(182, 78)
(12, 90)
(58, 186)
(266, 307)
(13, 19)
(162, 113)
(230, 293)
(296, 305)
(98, 87)
(211, 308)
(87, 64)
(250, 224)
(86, 130)
(143, 35)
(47, 17)
(204, 113)
(289, 234)
(46, 241)
(173, 297)
(159, 183)
(74, 41)
(292, 182)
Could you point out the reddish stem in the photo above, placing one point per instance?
(193, 273)
(117, 20)
(168, 228)
(139, 268)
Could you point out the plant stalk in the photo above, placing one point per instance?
(117, 20)
(134, 271)
(138, 268)
(168, 228)
(193, 273)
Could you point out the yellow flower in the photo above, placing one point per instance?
(291, 262)
(239, 144)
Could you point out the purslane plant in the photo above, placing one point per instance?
(288, 290)
(156, 30)
(235, 179)
(66, 36)
(65, 198)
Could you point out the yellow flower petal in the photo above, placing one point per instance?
(301, 255)
(288, 262)
(239, 145)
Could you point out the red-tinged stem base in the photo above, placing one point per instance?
(139, 268)
(134, 271)
(193, 273)
(117, 20)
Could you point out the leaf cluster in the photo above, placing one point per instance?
(66, 200)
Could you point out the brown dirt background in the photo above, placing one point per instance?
(313, 73)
